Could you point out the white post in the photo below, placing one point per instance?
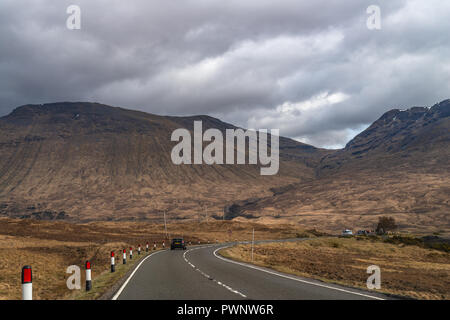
(146, 247)
(88, 276)
(131, 253)
(113, 263)
(27, 285)
(124, 256)
(139, 249)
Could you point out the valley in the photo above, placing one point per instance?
(84, 162)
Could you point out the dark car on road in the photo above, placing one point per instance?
(177, 243)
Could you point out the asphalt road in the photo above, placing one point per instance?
(199, 273)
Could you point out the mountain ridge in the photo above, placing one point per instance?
(88, 161)
(87, 152)
(398, 166)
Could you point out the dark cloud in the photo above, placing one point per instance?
(310, 68)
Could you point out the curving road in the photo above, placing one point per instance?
(199, 273)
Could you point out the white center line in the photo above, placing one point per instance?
(208, 277)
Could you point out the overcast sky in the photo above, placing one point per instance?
(310, 68)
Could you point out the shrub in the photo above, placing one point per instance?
(385, 224)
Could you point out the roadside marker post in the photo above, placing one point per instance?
(139, 249)
(131, 253)
(154, 245)
(88, 276)
(27, 283)
(164, 244)
(113, 264)
(124, 256)
(146, 247)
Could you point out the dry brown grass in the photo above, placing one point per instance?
(405, 270)
(50, 247)
(419, 202)
(49, 260)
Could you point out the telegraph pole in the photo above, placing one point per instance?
(253, 241)
(165, 224)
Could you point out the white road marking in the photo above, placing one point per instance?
(207, 276)
(132, 274)
(288, 277)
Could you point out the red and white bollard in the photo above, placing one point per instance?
(113, 262)
(146, 247)
(124, 256)
(139, 249)
(88, 276)
(131, 253)
(27, 285)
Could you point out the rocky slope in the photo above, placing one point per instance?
(416, 139)
(86, 161)
(399, 166)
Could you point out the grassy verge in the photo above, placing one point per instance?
(50, 247)
(421, 273)
(106, 279)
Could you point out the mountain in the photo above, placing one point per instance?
(88, 161)
(399, 166)
(410, 140)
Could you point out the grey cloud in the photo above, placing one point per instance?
(254, 63)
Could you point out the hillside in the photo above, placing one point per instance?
(415, 139)
(88, 161)
(399, 166)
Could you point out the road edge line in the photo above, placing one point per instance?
(289, 277)
(132, 274)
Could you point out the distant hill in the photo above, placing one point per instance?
(399, 166)
(88, 161)
(413, 139)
